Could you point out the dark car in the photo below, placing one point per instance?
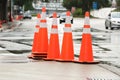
(63, 17)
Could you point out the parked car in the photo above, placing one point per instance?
(63, 17)
(27, 15)
(113, 20)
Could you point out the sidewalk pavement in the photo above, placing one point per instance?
(102, 13)
(43, 70)
(9, 25)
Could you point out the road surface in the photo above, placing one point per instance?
(16, 44)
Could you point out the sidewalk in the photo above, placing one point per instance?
(43, 70)
(102, 13)
(9, 25)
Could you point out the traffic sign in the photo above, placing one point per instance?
(94, 5)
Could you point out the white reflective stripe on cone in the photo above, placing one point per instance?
(38, 21)
(68, 21)
(67, 29)
(54, 22)
(54, 31)
(43, 15)
(37, 30)
(86, 30)
(43, 25)
(86, 21)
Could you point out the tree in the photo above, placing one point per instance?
(72, 3)
(118, 3)
(86, 5)
(26, 3)
(45, 0)
(3, 10)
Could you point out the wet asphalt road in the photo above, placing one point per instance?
(105, 47)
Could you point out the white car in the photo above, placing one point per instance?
(27, 15)
(113, 20)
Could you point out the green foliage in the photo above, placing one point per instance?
(26, 3)
(118, 6)
(78, 12)
(86, 5)
(72, 3)
(45, 0)
(118, 9)
(34, 15)
(118, 3)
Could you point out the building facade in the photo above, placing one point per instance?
(51, 5)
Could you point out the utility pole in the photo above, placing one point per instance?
(11, 11)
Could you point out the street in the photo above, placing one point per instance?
(54, 70)
(18, 41)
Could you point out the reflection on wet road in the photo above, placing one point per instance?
(105, 42)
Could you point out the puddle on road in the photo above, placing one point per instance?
(103, 37)
(16, 46)
(97, 40)
(25, 42)
(98, 36)
(21, 41)
(103, 43)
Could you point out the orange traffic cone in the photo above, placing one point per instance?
(53, 48)
(43, 37)
(36, 36)
(67, 53)
(86, 53)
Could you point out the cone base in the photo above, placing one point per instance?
(39, 53)
(48, 59)
(38, 56)
(30, 56)
(61, 60)
(90, 62)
